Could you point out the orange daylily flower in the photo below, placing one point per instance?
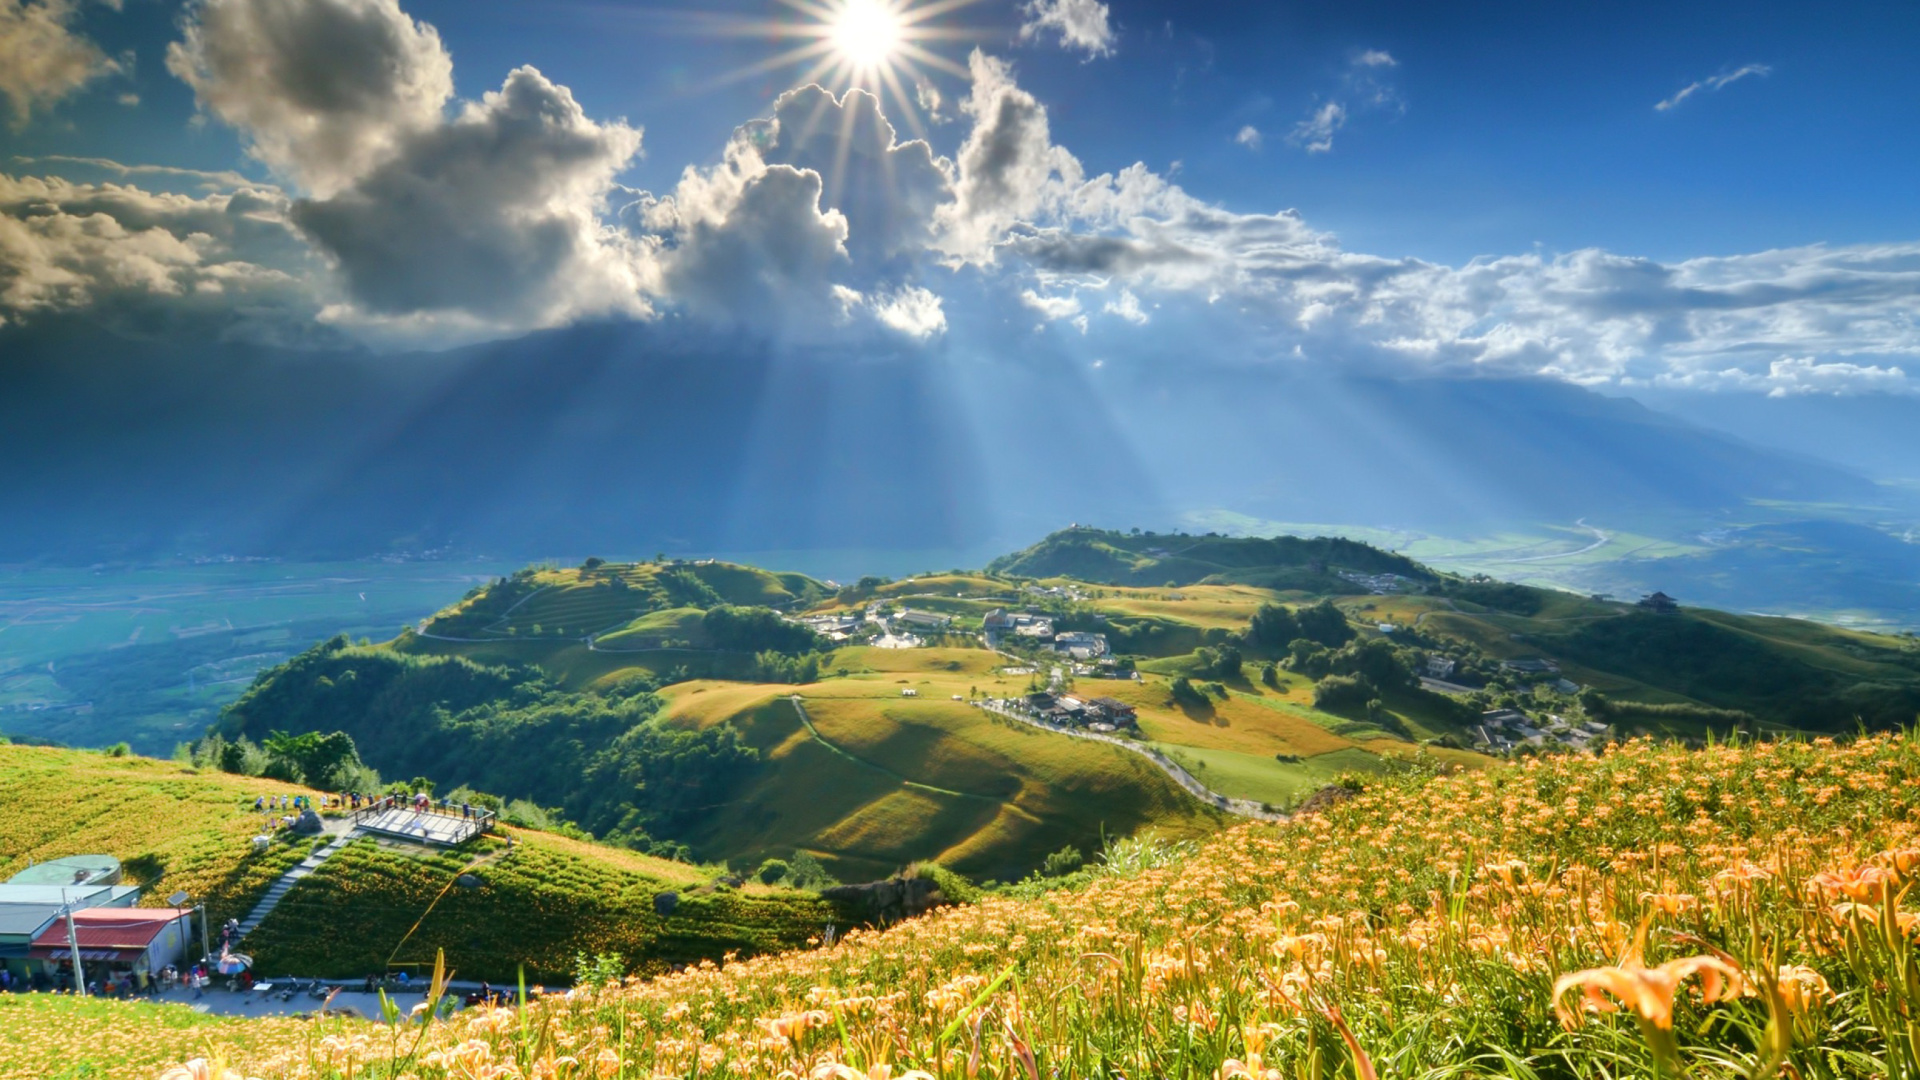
(1649, 991)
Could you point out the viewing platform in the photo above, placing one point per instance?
(433, 825)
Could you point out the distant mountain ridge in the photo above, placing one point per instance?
(1282, 562)
(631, 438)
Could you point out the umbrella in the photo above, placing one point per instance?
(233, 963)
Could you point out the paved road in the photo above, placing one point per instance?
(1242, 807)
(1600, 540)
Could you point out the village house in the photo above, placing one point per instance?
(1660, 604)
(1080, 644)
(1114, 711)
(923, 620)
(1440, 667)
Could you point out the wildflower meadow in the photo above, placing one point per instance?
(1735, 911)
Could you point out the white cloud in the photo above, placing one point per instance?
(229, 260)
(485, 222)
(1051, 308)
(1797, 377)
(1712, 83)
(494, 215)
(1365, 87)
(1127, 307)
(1249, 137)
(1315, 133)
(324, 90)
(913, 311)
(1080, 24)
(42, 59)
(887, 190)
(1008, 169)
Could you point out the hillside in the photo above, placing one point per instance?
(547, 899)
(1481, 935)
(1282, 562)
(870, 781)
(651, 703)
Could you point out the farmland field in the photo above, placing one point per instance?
(148, 655)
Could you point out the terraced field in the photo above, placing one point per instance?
(869, 780)
(378, 906)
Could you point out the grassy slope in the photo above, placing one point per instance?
(551, 897)
(540, 903)
(881, 780)
(191, 828)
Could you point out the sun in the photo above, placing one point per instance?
(867, 34)
(890, 48)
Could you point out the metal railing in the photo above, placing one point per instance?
(482, 819)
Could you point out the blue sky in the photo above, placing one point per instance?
(1489, 187)
(1517, 123)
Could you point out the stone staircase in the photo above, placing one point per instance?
(291, 878)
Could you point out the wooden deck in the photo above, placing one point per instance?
(435, 826)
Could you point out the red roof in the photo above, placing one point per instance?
(107, 930)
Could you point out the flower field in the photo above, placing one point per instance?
(173, 827)
(1739, 911)
(537, 905)
(59, 1037)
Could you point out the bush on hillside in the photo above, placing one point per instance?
(757, 630)
(1343, 692)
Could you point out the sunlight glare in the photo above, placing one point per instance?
(866, 33)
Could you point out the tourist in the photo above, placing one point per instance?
(259, 804)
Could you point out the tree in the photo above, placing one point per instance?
(1325, 624)
(1063, 862)
(1343, 692)
(1270, 674)
(1273, 626)
(1186, 693)
(311, 758)
(773, 871)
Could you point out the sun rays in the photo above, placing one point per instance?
(887, 47)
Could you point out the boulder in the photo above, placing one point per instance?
(665, 903)
(309, 823)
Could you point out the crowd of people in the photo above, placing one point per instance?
(295, 805)
(107, 981)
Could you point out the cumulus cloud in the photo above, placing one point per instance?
(913, 311)
(494, 215)
(1078, 24)
(42, 58)
(814, 224)
(485, 220)
(1711, 83)
(323, 90)
(748, 244)
(1249, 137)
(887, 190)
(230, 260)
(1008, 170)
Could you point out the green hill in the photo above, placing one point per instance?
(645, 704)
(1282, 562)
(550, 897)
